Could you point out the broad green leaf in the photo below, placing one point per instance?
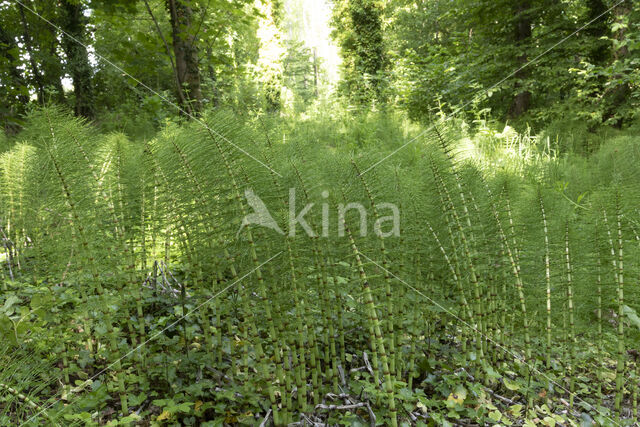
(511, 385)
(631, 315)
(495, 416)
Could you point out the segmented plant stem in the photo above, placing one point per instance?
(547, 276)
(621, 338)
(572, 333)
(377, 330)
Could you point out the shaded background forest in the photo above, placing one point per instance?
(423, 57)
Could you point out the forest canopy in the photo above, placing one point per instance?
(534, 61)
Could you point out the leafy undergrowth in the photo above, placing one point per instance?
(182, 384)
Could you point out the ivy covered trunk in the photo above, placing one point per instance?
(522, 98)
(13, 84)
(619, 90)
(78, 66)
(186, 52)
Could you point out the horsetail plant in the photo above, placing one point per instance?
(375, 326)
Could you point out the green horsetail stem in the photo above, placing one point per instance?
(329, 335)
(205, 322)
(473, 277)
(29, 402)
(143, 227)
(128, 251)
(261, 289)
(454, 274)
(547, 276)
(95, 278)
(415, 322)
(230, 329)
(493, 313)
(504, 336)
(314, 359)
(636, 364)
(300, 366)
(340, 309)
(466, 310)
(618, 274)
(333, 356)
(294, 345)
(621, 338)
(489, 315)
(400, 304)
(286, 387)
(512, 228)
(389, 318)
(375, 325)
(282, 370)
(516, 273)
(572, 332)
(455, 267)
(469, 246)
(247, 315)
(219, 324)
(251, 329)
(65, 368)
(599, 310)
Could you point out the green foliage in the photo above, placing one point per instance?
(359, 33)
(448, 54)
(109, 243)
(300, 74)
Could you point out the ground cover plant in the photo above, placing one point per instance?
(133, 290)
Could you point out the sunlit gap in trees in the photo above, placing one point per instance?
(309, 22)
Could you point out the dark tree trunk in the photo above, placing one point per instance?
(14, 90)
(369, 47)
(617, 95)
(181, 97)
(52, 71)
(599, 49)
(522, 99)
(185, 52)
(78, 67)
(28, 44)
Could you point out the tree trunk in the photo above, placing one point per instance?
(14, 90)
(617, 95)
(181, 97)
(369, 56)
(522, 99)
(8, 49)
(599, 49)
(52, 72)
(185, 52)
(74, 24)
(315, 72)
(45, 37)
(26, 38)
